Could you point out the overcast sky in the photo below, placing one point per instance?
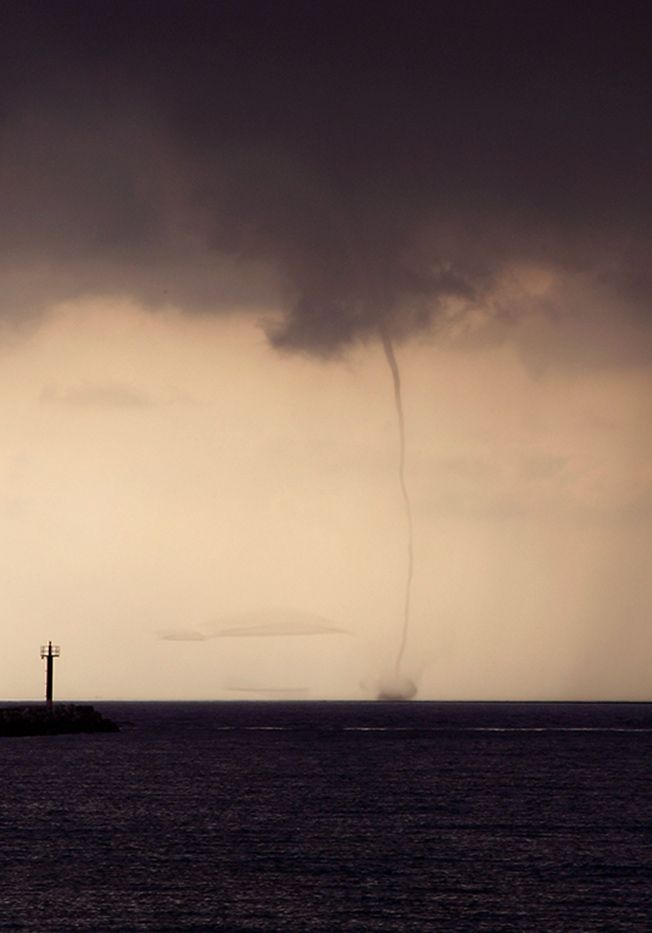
(211, 212)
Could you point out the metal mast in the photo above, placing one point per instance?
(49, 652)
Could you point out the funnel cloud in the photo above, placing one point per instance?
(396, 378)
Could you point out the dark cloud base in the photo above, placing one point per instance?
(350, 163)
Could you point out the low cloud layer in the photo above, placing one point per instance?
(274, 693)
(97, 396)
(344, 165)
(269, 624)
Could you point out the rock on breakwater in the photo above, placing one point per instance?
(63, 718)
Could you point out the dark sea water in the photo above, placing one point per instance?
(333, 816)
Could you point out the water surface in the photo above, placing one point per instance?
(333, 816)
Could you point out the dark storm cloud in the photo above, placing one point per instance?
(350, 161)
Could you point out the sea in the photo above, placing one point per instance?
(408, 816)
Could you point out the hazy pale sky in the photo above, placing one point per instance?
(167, 478)
(209, 214)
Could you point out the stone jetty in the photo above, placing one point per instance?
(61, 718)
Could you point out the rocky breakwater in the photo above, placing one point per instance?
(62, 718)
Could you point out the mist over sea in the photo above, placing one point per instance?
(333, 816)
